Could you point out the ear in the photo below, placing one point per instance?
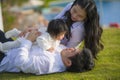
(68, 62)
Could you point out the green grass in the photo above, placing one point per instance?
(107, 66)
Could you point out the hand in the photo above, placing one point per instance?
(51, 49)
(33, 35)
(23, 33)
(69, 52)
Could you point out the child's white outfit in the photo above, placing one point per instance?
(44, 41)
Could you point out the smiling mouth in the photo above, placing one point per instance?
(72, 18)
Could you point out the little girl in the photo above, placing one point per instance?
(48, 40)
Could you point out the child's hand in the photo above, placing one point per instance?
(51, 49)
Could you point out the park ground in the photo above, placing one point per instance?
(107, 66)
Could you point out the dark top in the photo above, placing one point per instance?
(3, 38)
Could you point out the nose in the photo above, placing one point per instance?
(74, 15)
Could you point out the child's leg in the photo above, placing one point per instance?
(12, 33)
(4, 47)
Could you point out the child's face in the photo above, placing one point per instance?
(60, 36)
(77, 13)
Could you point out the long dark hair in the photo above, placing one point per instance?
(93, 31)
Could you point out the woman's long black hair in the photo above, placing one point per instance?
(93, 31)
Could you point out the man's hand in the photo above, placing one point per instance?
(23, 33)
(33, 35)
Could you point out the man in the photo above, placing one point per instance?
(30, 59)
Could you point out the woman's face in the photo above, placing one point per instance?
(77, 13)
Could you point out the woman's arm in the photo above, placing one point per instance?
(77, 34)
(61, 14)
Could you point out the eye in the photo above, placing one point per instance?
(74, 10)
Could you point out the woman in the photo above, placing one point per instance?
(83, 22)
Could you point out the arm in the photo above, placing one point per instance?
(43, 42)
(61, 14)
(29, 29)
(30, 64)
(77, 36)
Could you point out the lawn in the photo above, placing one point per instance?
(107, 66)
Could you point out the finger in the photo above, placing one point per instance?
(39, 33)
(22, 34)
(36, 33)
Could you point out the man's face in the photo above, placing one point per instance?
(70, 52)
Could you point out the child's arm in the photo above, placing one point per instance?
(43, 43)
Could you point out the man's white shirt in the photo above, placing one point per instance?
(32, 60)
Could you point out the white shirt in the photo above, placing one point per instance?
(77, 30)
(45, 41)
(32, 60)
